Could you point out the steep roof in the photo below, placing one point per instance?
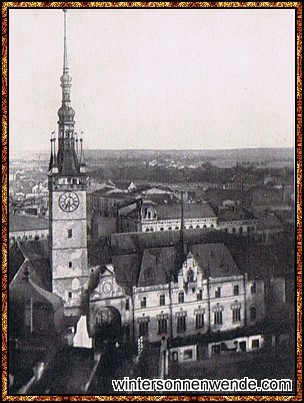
(215, 259)
(36, 254)
(25, 289)
(127, 268)
(26, 223)
(15, 260)
(265, 261)
(156, 266)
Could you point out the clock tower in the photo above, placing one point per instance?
(67, 204)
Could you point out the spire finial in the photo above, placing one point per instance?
(65, 54)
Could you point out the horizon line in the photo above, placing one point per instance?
(166, 149)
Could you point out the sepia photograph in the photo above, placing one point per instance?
(152, 200)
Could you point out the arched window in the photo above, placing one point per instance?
(190, 275)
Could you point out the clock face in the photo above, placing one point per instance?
(68, 201)
(107, 287)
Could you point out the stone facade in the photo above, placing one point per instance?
(196, 303)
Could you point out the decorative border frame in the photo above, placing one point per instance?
(4, 151)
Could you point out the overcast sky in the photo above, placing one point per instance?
(155, 78)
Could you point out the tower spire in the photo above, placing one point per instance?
(65, 52)
(67, 157)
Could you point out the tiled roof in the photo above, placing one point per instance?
(136, 242)
(264, 196)
(35, 250)
(157, 264)
(173, 211)
(36, 253)
(239, 214)
(23, 290)
(264, 261)
(26, 223)
(270, 221)
(127, 268)
(129, 209)
(15, 260)
(215, 259)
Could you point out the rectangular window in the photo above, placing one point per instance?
(236, 290)
(253, 288)
(199, 295)
(162, 321)
(143, 327)
(127, 306)
(218, 317)
(253, 313)
(70, 233)
(188, 354)
(181, 323)
(218, 292)
(181, 297)
(143, 302)
(70, 264)
(162, 299)
(236, 314)
(255, 343)
(199, 320)
(216, 349)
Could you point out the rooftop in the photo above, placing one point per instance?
(239, 214)
(173, 211)
(215, 259)
(156, 265)
(20, 222)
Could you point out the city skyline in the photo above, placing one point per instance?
(138, 82)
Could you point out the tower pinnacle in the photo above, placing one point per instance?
(65, 53)
(67, 159)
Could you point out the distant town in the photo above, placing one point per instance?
(136, 202)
